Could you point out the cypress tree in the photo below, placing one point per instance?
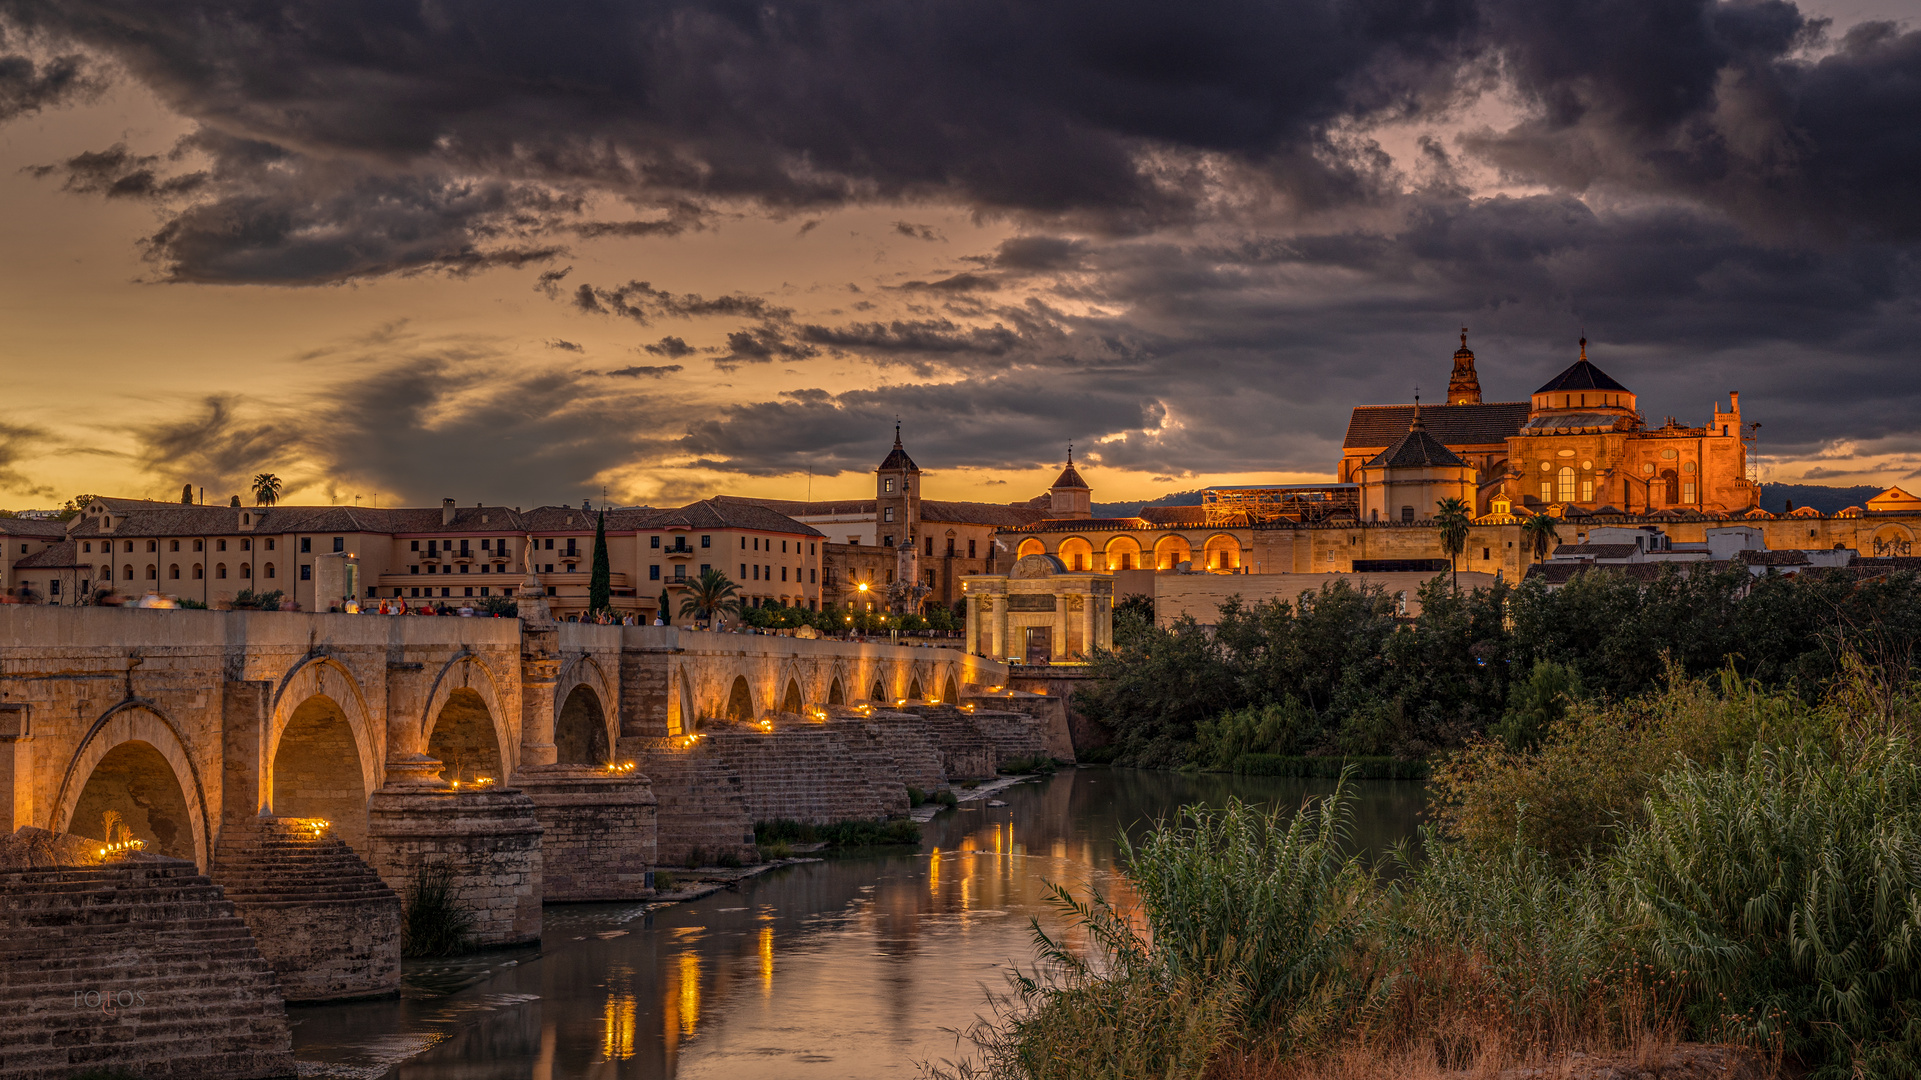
(600, 585)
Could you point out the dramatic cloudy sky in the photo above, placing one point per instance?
(528, 252)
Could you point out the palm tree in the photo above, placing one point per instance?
(266, 489)
(1540, 530)
(710, 594)
(1453, 518)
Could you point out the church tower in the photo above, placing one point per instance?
(1464, 386)
(1070, 497)
(897, 497)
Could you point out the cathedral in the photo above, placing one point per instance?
(1578, 444)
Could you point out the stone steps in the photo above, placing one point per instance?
(200, 999)
(808, 774)
(702, 803)
(322, 918)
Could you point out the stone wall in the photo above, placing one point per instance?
(328, 925)
(137, 965)
(490, 839)
(702, 803)
(599, 831)
(808, 773)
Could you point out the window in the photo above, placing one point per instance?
(1484, 555)
(950, 547)
(196, 572)
(1407, 512)
(246, 545)
(929, 552)
(86, 547)
(1566, 477)
(783, 573)
(220, 570)
(153, 572)
(127, 573)
(53, 587)
(783, 546)
(743, 543)
(129, 547)
(706, 541)
(653, 572)
(306, 545)
(1547, 491)
(704, 568)
(485, 543)
(154, 545)
(173, 572)
(887, 514)
(743, 571)
(887, 541)
(470, 590)
(1687, 492)
(246, 570)
(220, 545)
(270, 543)
(174, 545)
(813, 576)
(306, 571)
(680, 572)
(415, 547)
(415, 592)
(810, 549)
(270, 572)
(970, 549)
(654, 542)
(340, 543)
(887, 485)
(1587, 491)
(467, 551)
(550, 544)
(413, 569)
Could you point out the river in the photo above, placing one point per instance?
(858, 966)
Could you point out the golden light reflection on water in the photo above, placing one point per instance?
(617, 1025)
(766, 960)
(689, 991)
(933, 873)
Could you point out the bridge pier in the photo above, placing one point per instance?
(599, 831)
(488, 839)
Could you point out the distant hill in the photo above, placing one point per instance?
(1129, 509)
(1775, 497)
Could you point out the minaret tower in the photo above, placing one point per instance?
(1464, 386)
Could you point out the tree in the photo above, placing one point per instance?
(73, 507)
(1453, 519)
(1540, 531)
(666, 613)
(235, 502)
(266, 489)
(186, 494)
(600, 582)
(709, 595)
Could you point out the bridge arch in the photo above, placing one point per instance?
(836, 695)
(322, 759)
(790, 702)
(950, 693)
(465, 721)
(740, 700)
(134, 747)
(584, 732)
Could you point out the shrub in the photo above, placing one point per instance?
(779, 849)
(504, 606)
(663, 881)
(1284, 728)
(248, 600)
(729, 860)
(1535, 705)
(947, 798)
(435, 924)
(1027, 766)
(696, 858)
(840, 834)
(915, 796)
(1783, 888)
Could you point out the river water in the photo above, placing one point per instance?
(859, 966)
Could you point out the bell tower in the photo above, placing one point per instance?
(1464, 386)
(897, 497)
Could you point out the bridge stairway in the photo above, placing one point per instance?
(1014, 735)
(966, 752)
(916, 758)
(325, 921)
(702, 804)
(809, 774)
(191, 994)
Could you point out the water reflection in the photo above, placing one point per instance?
(849, 968)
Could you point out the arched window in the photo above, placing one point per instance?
(1566, 485)
(246, 570)
(197, 572)
(153, 572)
(269, 569)
(126, 572)
(153, 545)
(173, 572)
(173, 545)
(220, 570)
(1672, 481)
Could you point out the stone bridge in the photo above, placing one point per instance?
(315, 768)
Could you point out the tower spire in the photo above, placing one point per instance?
(1584, 345)
(1464, 386)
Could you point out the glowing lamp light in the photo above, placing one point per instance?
(483, 781)
(863, 586)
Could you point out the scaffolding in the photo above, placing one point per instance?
(1262, 505)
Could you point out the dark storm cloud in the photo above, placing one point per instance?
(20, 443)
(218, 445)
(639, 372)
(670, 346)
(565, 345)
(31, 81)
(641, 302)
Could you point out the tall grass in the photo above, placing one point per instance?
(1787, 889)
(436, 924)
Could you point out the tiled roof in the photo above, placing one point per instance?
(1070, 477)
(722, 512)
(797, 508)
(1583, 375)
(48, 528)
(1454, 425)
(1174, 515)
(1773, 558)
(1573, 422)
(1000, 515)
(897, 458)
(60, 556)
(1415, 449)
(1595, 551)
